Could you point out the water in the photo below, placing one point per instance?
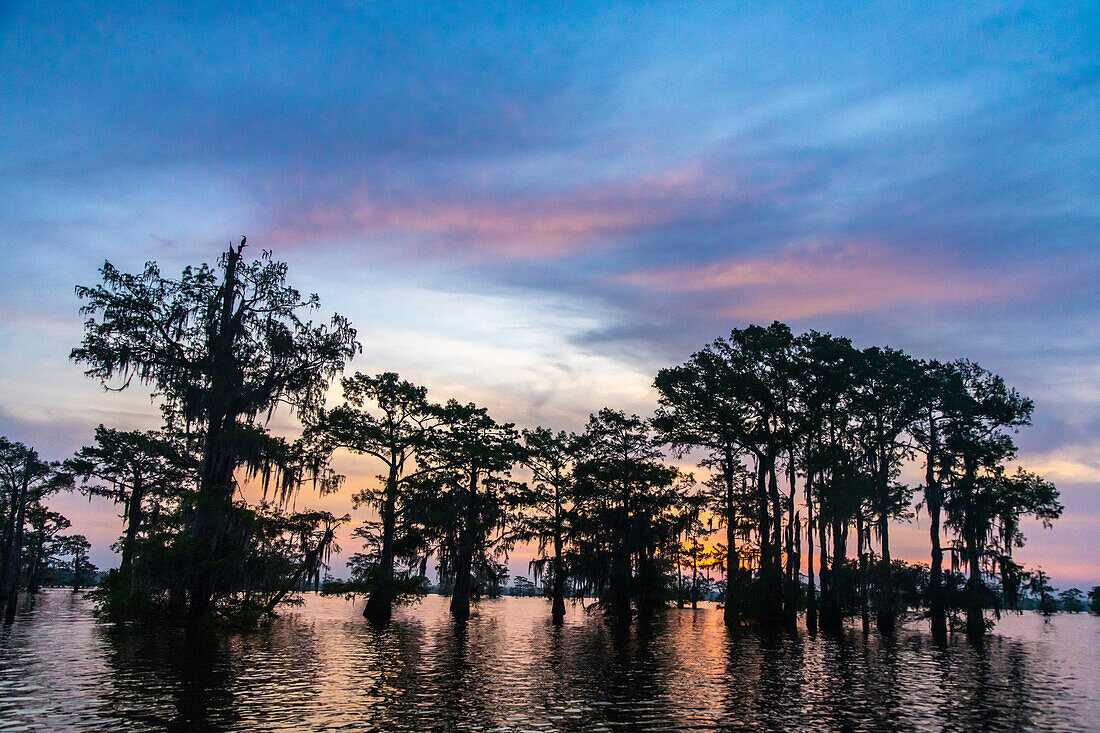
(321, 667)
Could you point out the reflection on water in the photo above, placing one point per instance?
(323, 667)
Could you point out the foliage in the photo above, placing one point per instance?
(222, 348)
(1039, 585)
(391, 420)
(628, 503)
(25, 481)
(467, 501)
(1072, 600)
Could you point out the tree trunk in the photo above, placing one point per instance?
(694, 576)
(861, 550)
(557, 611)
(775, 597)
(825, 573)
(811, 600)
(837, 580)
(621, 591)
(792, 585)
(934, 499)
(133, 524)
(460, 599)
(680, 592)
(379, 608)
(886, 616)
(34, 569)
(212, 517)
(763, 528)
(771, 545)
(15, 554)
(8, 543)
(733, 561)
(975, 615)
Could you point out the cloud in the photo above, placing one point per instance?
(1068, 463)
(825, 278)
(517, 225)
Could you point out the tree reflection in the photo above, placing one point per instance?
(178, 679)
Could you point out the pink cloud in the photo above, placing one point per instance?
(523, 226)
(822, 278)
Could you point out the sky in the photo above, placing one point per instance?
(537, 206)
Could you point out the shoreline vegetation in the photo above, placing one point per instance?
(800, 442)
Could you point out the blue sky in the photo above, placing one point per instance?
(537, 206)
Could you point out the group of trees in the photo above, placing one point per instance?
(1070, 600)
(33, 549)
(801, 441)
(791, 424)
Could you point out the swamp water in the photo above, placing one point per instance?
(320, 666)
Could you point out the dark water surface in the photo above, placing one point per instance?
(321, 667)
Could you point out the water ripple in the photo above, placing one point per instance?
(510, 670)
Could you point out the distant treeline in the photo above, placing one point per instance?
(800, 440)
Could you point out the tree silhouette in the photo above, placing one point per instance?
(939, 389)
(148, 473)
(76, 547)
(25, 480)
(222, 348)
(1039, 585)
(42, 543)
(887, 403)
(467, 498)
(396, 435)
(978, 441)
(549, 505)
(1072, 600)
(628, 502)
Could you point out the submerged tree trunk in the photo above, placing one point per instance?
(836, 581)
(557, 610)
(694, 576)
(621, 561)
(14, 560)
(8, 545)
(681, 594)
(824, 573)
(770, 573)
(975, 615)
(934, 499)
(34, 570)
(460, 598)
(886, 613)
(811, 600)
(379, 608)
(733, 561)
(861, 550)
(212, 520)
(791, 576)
